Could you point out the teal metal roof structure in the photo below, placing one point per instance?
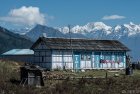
(19, 52)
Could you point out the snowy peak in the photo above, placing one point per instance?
(95, 30)
(89, 27)
(129, 29)
(131, 23)
(101, 26)
(117, 28)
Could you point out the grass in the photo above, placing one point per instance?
(113, 84)
(120, 84)
(88, 73)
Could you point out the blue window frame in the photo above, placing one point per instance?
(119, 57)
(107, 55)
(86, 56)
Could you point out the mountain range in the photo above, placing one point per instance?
(129, 34)
(99, 30)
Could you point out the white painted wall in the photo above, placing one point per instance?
(86, 65)
(61, 59)
(57, 59)
(68, 59)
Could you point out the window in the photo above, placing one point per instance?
(82, 57)
(36, 59)
(97, 53)
(43, 59)
(42, 53)
(37, 53)
(42, 45)
(88, 57)
(85, 56)
(119, 57)
(107, 55)
(40, 59)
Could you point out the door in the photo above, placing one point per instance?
(97, 60)
(76, 60)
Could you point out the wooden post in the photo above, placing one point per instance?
(106, 76)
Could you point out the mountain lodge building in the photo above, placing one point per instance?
(62, 53)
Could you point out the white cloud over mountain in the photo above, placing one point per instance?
(25, 15)
(113, 17)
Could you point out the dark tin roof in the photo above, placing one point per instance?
(81, 44)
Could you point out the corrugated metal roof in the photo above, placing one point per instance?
(81, 44)
(19, 52)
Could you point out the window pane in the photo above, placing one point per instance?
(88, 57)
(42, 53)
(82, 57)
(36, 53)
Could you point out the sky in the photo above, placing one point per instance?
(59, 13)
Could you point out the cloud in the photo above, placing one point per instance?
(26, 16)
(113, 17)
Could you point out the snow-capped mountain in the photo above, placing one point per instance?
(90, 27)
(95, 30)
(99, 28)
(39, 30)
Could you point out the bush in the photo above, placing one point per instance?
(9, 83)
